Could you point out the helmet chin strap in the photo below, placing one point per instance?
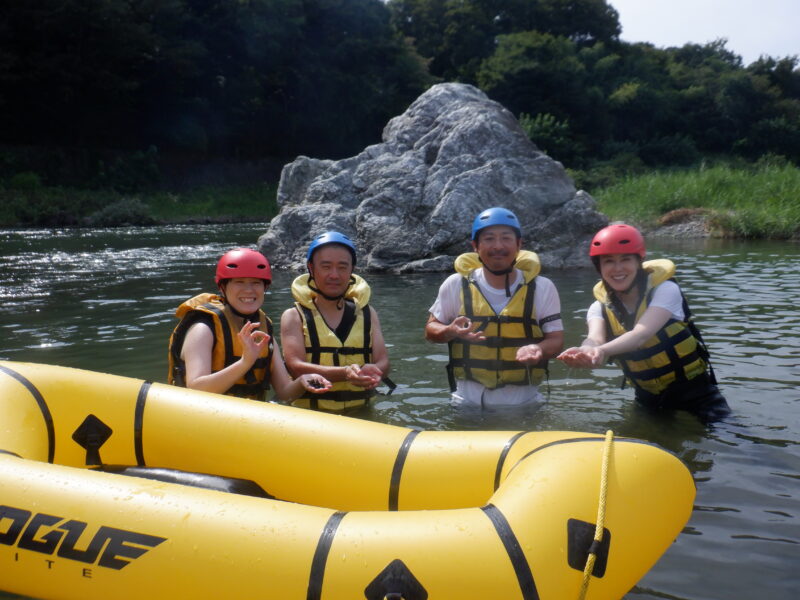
(505, 272)
(249, 317)
(338, 299)
(253, 316)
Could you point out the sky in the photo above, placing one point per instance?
(752, 27)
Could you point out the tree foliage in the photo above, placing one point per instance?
(563, 59)
(250, 78)
(456, 35)
(231, 77)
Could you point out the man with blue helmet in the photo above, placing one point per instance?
(331, 330)
(500, 318)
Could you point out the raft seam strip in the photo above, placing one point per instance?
(585, 439)
(45, 410)
(138, 423)
(319, 562)
(522, 569)
(503, 454)
(397, 470)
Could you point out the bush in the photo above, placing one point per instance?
(27, 181)
(771, 136)
(769, 160)
(670, 150)
(126, 211)
(129, 174)
(551, 136)
(595, 178)
(607, 173)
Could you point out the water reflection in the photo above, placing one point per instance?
(104, 300)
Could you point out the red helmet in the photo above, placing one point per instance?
(617, 239)
(243, 262)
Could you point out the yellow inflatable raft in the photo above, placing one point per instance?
(360, 509)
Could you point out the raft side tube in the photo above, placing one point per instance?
(649, 499)
(298, 455)
(70, 397)
(215, 545)
(436, 476)
(26, 425)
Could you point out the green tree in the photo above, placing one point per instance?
(352, 73)
(534, 73)
(583, 21)
(457, 35)
(551, 135)
(203, 77)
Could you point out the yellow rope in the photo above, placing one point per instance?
(601, 515)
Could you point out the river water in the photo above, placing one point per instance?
(103, 299)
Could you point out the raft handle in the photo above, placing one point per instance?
(395, 582)
(91, 435)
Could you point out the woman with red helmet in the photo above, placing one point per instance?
(224, 342)
(641, 321)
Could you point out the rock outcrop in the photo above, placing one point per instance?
(408, 203)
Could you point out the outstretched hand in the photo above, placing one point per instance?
(530, 354)
(366, 376)
(585, 357)
(315, 383)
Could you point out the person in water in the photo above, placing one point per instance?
(224, 342)
(641, 320)
(500, 318)
(331, 330)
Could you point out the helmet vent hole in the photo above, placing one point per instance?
(233, 266)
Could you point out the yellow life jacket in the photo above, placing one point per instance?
(227, 348)
(323, 346)
(492, 362)
(672, 354)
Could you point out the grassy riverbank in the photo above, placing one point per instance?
(758, 201)
(27, 204)
(746, 201)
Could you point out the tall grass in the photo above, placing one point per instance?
(762, 201)
(255, 201)
(43, 206)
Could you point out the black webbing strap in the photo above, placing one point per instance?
(527, 313)
(469, 311)
(313, 336)
(701, 343)
(367, 334)
(227, 337)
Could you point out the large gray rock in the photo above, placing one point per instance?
(408, 203)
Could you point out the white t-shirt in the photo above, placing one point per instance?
(447, 307)
(667, 295)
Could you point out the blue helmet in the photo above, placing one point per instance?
(495, 216)
(331, 237)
